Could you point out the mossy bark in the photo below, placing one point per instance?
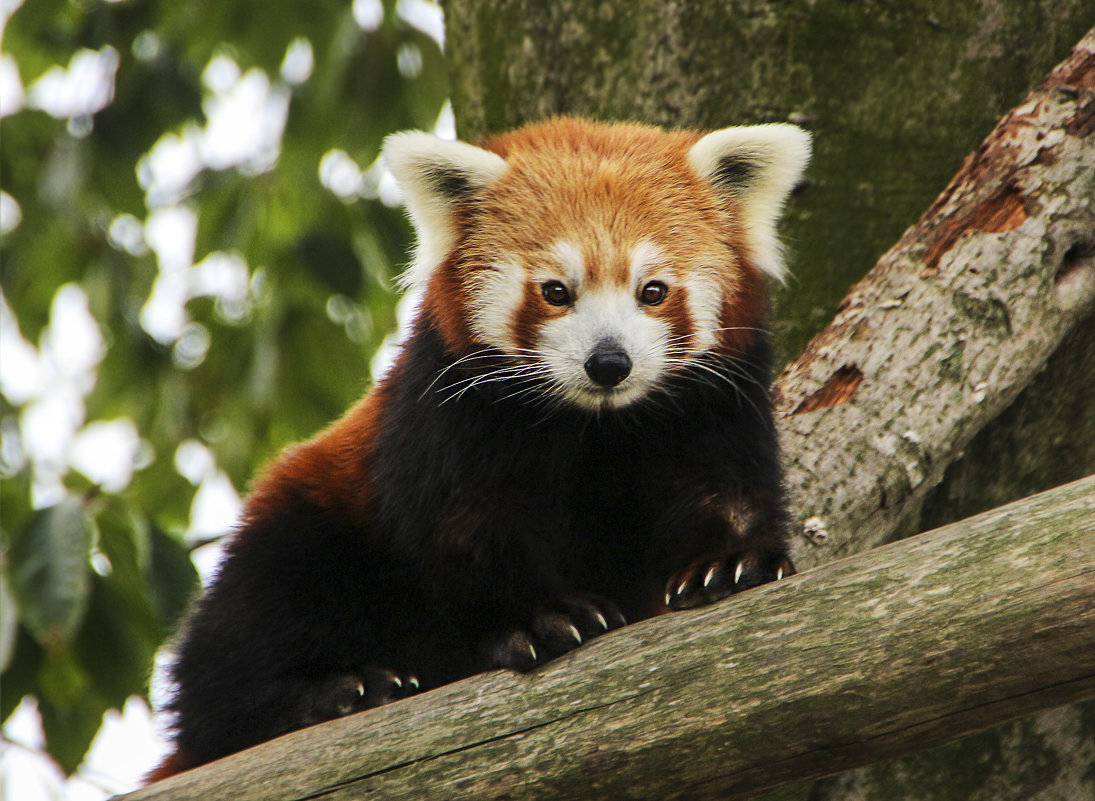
(1044, 439)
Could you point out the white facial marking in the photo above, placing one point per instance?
(566, 342)
(704, 305)
(496, 296)
(598, 313)
(645, 257)
(570, 259)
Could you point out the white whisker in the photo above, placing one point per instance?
(517, 373)
(479, 354)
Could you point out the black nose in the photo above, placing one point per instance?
(609, 364)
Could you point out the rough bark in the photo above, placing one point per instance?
(949, 327)
(1045, 439)
(1046, 757)
(899, 649)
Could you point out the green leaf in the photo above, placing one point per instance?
(70, 706)
(48, 564)
(70, 727)
(173, 579)
(116, 644)
(20, 679)
(9, 621)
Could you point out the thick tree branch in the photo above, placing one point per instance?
(899, 649)
(949, 327)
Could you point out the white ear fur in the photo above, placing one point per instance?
(434, 175)
(758, 165)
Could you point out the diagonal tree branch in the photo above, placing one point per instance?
(951, 324)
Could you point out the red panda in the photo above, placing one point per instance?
(576, 434)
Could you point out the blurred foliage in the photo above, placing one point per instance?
(98, 580)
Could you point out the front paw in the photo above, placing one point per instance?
(554, 630)
(713, 577)
(344, 694)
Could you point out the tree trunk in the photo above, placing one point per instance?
(896, 94)
(901, 648)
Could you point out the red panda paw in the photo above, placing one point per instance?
(344, 694)
(553, 631)
(710, 578)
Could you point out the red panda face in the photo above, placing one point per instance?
(600, 259)
(605, 325)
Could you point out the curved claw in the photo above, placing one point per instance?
(710, 578)
(554, 630)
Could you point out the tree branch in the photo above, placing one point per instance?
(951, 324)
(905, 647)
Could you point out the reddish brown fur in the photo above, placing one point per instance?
(532, 313)
(332, 469)
(606, 188)
(175, 762)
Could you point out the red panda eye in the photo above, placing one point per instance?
(555, 293)
(653, 293)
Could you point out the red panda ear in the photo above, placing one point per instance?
(435, 175)
(757, 165)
